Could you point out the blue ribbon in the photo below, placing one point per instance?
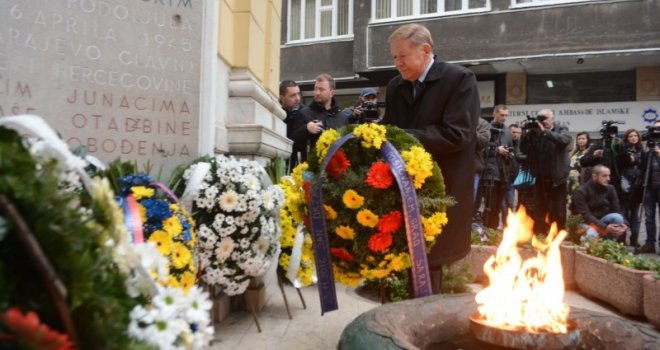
(414, 230)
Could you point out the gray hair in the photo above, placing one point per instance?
(416, 33)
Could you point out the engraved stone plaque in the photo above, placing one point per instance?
(119, 77)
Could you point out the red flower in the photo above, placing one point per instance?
(30, 331)
(307, 187)
(380, 242)
(338, 164)
(379, 175)
(390, 222)
(341, 253)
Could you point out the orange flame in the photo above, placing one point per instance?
(525, 295)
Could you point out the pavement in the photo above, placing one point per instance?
(309, 330)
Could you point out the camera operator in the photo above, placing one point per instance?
(544, 152)
(366, 110)
(497, 168)
(651, 185)
(606, 152)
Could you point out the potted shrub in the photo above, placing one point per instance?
(652, 296)
(607, 271)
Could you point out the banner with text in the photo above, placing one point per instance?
(120, 77)
(589, 116)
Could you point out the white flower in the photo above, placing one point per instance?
(228, 201)
(234, 288)
(261, 245)
(268, 200)
(225, 248)
(251, 182)
(244, 243)
(211, 192)
(197, 306)
(252, 266)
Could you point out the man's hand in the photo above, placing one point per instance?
(501, 150)
(315, 127)
(541, 126)
(617, 229)
(657, 150)
(598, 153)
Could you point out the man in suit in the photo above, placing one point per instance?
(438, 103)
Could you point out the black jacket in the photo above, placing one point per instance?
(331, 118)
(444, 117)
(594, 201)
(546, 154)
(296, 130)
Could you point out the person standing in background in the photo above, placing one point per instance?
(296, 125)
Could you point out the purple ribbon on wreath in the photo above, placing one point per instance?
(414, 229)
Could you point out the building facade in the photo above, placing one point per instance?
(590, 60)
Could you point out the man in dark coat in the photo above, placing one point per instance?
(296, 125)
(323, 112)
(438, 103)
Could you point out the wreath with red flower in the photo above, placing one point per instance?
(366, 230)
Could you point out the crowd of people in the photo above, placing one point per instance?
(537, 159)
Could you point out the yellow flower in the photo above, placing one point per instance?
(163, 242)
(345, 232)
(352, 199)
(371, 135)
(419, 165)
(324, 142)
(367, 218)
(187, 280)
(181, 256)
(398, 262)
(350, 279)
(172, 225)
(143, 212)
(330, 213)
(172, 282)
(140, 192)
(433, 225)
(285, 259)
(374, 273)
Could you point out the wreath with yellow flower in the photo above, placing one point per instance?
(296, 261)
(363, 204)
(153, 214)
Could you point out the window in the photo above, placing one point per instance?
(384, 10)
(522, 3)
(581, 87)
(319, 19)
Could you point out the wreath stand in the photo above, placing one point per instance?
(54, 285)
(280, 283)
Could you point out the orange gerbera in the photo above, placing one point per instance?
(338, 164)
(30, 331)
(380, 242)
(379, 175)
(341, 253)
(390, 222)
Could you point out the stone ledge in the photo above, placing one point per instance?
(257, 140)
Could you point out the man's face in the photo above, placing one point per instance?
(602, 178)
(370, 99)
(515, 133)
(291, 97)
(410, 60)
(500, 115)
(322, 92)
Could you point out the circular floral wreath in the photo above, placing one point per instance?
(236, 211)
(363, 204)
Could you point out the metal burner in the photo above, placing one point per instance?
(518, 339)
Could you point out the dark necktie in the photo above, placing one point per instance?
(417, 87)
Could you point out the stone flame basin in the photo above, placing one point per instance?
(443, 322)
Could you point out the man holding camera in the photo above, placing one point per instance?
(544, 152)
(323, 112)
(495, 176)
(597, 202)
(366, 110)
(651, 170)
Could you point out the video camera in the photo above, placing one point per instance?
(370, 112)
(609, 129)
(530, 123)
(651, 136)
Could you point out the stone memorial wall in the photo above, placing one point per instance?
(119, 77)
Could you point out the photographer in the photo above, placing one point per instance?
(596, 201)
(544, 152)
(651, 185)
(495, 176)
(323, 112)
(366, 110)
(607, 152)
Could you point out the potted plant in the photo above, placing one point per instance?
(652, 296)
(607, 271)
